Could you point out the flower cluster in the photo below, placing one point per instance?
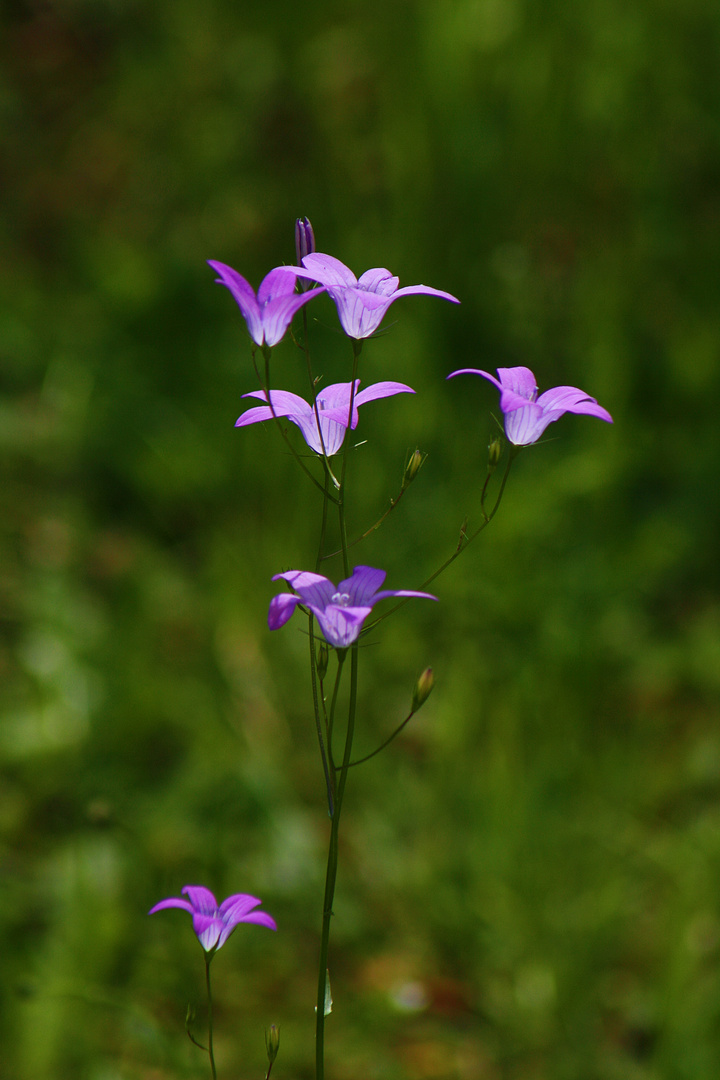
(361, 303)
(339, 612)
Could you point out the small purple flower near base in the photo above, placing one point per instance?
(362, 303)
(269, 313)
(340, 611)
(333, 411)
(212, 924)
(526, 414)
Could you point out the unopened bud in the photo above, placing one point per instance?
(494, 454)
(304, 238)
(322, 660)
(423, 689)
(272, 1042)
(413, 467)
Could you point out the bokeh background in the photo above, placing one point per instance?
(530, 875)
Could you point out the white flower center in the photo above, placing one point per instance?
(342, 599)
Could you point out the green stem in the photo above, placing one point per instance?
(208, 958)
(331, 872)
(398, 729)
(329, 777)
(265, 385)
(463, 542)
(357, 345)
(332, 860)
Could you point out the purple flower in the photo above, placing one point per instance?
(361, 304)
(526, 414)
(268, 314)
(212, 924)
(333, 408)
(340, 611)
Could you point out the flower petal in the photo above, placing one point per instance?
(328, 271)
(279, 312)
(236, 907)
(526, 424)
(340, 625)
(281, 608)
(402, 592)
(425, 290)
(313, 588)
(571, 399)
(244, 296)
(475, 371)
(520, 380)
(379, 281)
(275, 285)
(201, 899)
(208, 929)
(382, 390)
(184, 904)
(363, 585)
(284, 403)
(261, 918)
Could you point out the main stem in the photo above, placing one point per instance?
(211, 1055)
(331, 873)
(338, 783)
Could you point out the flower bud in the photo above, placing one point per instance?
(322, 660)
(423, 689)
(272, 1042)
(494, 454)
(413, 467)
(304, 239)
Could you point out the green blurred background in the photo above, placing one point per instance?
(529, 879)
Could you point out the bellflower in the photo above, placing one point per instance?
(268, 314)
(362, 303)
(526, 414)
(339, 611)
(333, 409)
(212, 924)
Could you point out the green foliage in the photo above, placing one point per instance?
(529, 882)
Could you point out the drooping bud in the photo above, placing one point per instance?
(272, 1043)
(322, 660)
(304, 239)
(423, 689)
(413, 467)
(494, 454)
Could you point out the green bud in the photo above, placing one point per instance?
(322, 660)
(413, 467)
(423, 689)
(494, 454)
(272, 1042)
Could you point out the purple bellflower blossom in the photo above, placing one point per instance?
(526, 414)
(339, 611)
(362, 303)
(268, 314)
(212, 924)
(333, 410)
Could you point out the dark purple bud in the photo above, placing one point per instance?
(304, 239)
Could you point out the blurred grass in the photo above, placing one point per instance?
(530, 877)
